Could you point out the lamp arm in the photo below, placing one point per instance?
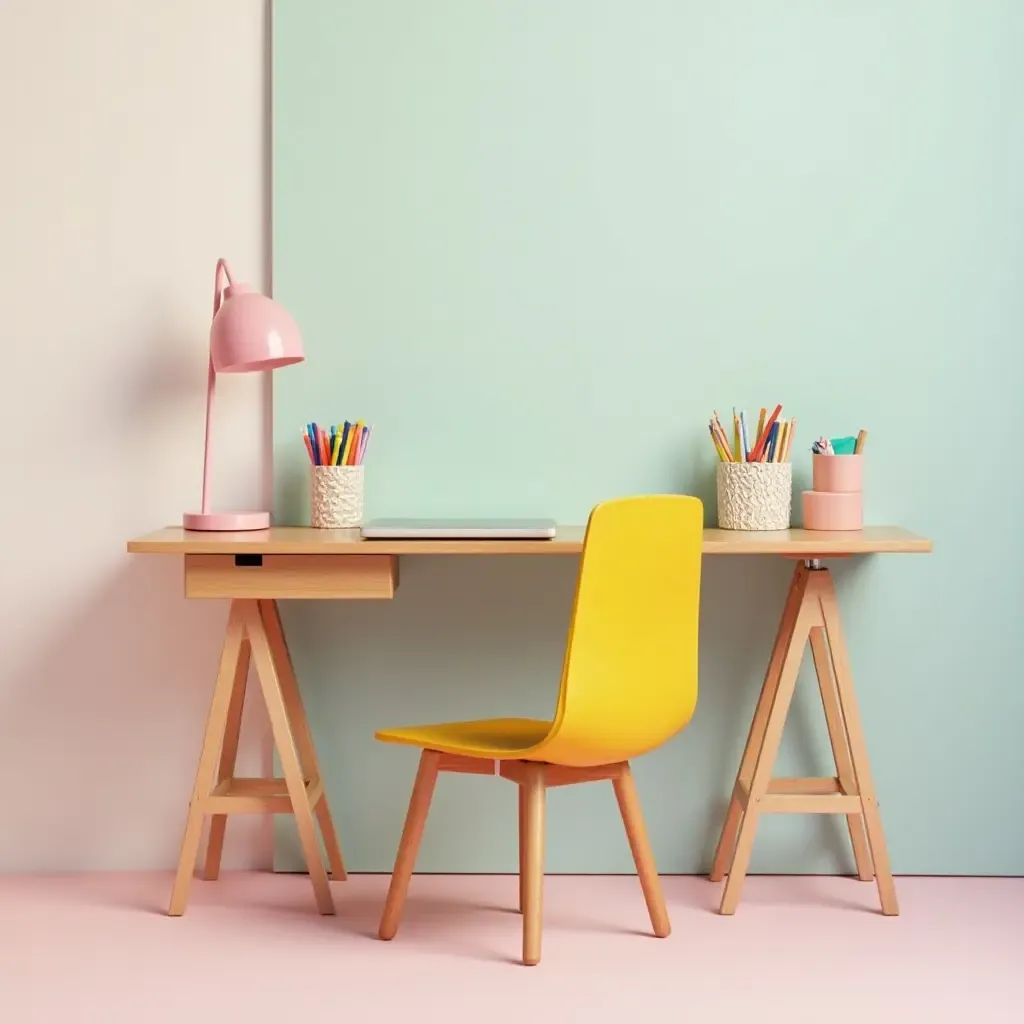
(211, 381)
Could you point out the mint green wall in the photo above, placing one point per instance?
(535, 243)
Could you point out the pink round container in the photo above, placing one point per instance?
(827, 510)
(838, 473)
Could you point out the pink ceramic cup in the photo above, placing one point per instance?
(838, 473)
(827, 510)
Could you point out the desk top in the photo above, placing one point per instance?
(568, 540)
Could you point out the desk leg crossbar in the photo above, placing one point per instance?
(254, 632)
(811, 615)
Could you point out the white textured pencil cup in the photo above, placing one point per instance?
(755, 495)
(336, 497)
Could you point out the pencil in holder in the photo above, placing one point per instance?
(336, 497)
(755, 495)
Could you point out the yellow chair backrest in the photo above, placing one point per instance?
(629, 681)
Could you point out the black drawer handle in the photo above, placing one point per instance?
(248, 561)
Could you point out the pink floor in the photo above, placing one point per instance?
(251, 948)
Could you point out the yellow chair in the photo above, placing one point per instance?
(629, 683)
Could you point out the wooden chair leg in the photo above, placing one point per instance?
(286, 749)
(840, 749)
(755, 738)
(228, 757)
(533, 866)
(643, 857)
(522, 847)
(806, 617)
(303, 735)
(213, 740)
(408, 847)
(858, 747)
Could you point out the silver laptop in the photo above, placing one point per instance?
(459, 529)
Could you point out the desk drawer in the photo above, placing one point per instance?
(300, 577)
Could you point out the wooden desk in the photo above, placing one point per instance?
(256, 570)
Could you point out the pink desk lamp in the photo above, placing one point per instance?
(249, 332)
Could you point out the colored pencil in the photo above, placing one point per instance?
(357, 440)
(350, 436)
(716, 443)
(762, 441)
(723, 440)
(343, 438)
(780, 445)
(723, 437)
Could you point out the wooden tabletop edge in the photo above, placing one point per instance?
(569, 540)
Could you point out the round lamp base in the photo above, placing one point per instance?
(226, 521)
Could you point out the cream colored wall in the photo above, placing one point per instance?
(134, 154)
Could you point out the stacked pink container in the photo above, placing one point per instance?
(837, 501)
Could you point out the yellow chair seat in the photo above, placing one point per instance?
(497, 738)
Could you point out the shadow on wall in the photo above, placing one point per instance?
(100, 732)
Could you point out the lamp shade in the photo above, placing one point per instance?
(251, 332)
